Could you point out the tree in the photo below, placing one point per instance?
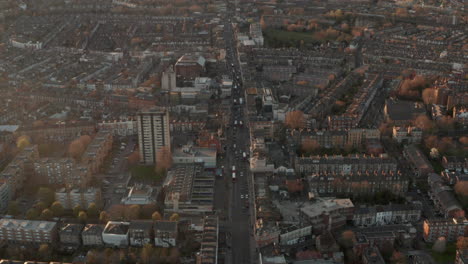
(78, 146)
(32, 214)
(310, 145)
(47, 214)
(40, 206)
(57, 209)
(103, 217)
(46, 195)
(132, 212)
(429, 96)
(82, 216)
(440, 245)
(76, 210)
(347, 239)
(461, 190)
(156, 216)
(13, 208)
(398, 258)
(163, 159)
(174, 217)
(147, 210)
(44, 252)
(133, 158)
(423, 122)
(146, 253)
(93, 211)
(295, 119)
(462, 243)
(23, 142)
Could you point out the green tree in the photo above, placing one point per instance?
(46, 195)
(93, 211)
(57, 209)
(32, 214)
(13, 208)
(47, 214)
(76, 210)
(82, 216)
(174, 217)
(156, 216)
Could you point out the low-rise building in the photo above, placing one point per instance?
(97, 151)
(70, 234)
(165, 233)
(209, 244)
(455, 163)
(408, 135)
(120, 128)
(141, 233)
(28, 231)
(420, 165)
(116, 234)
(140, 194)
(388, 214)
(190, 154)
(294, 234)
(327, 213)
(450, 228)
(82, 197)
(92, 235)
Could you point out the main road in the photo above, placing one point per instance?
(240, 195)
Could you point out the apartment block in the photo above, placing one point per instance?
(97, 151)
(82, 197)
(165, 233)
(327, 213)
(28, 231)
(153, 133)
(451, 229)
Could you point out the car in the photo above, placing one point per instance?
(242, 196)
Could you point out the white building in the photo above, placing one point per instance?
(82, 197)
(116, 234)
(168, 79)
(153, 133)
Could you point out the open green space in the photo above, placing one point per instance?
(146, 173)
(277, 38)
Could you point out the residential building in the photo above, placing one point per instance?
(327, 213)
(57, 171)
(165, 233)
(455, 163)
(116, 234)
(92, 235)
(189, 188)
(57, 132)
(344, 164)
(28, 231)
(256, 33)
(82, 197)
(358, 183)
(190, 66)
(140, 233)
(462, 256)
(387, 214)
(153, 134)
(372, 255)
(443, 197)
(121, 128)
(168, 79)
(16, 172)
(189, 154)
(450, 228)
(420, 165)
(97, 151)
(140, 194)
(408, 135)
(4, 195)
(70, 234)
(402, 113)
(209, 243)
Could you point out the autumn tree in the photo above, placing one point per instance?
(156, 216)
(132, 212)
(310, 145)
(93, 211)
(40, 206)
(462, 243)
(461, 190)
(78, 146)
(347, 239)
(440, 245)
(429, 96)
(44, 252)
(82, 216)
(47, 214)
(163, 159)
(23, 142)
(133, 158)
(46, 195)
(57, 209)
(398, 258)
(76, 210)
(423, 122)
(174, 217)
(32, 214)
(103, 217)
(295, 119)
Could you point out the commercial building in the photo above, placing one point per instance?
(82, 197)
(344, 164)
(189, 188)
(327, 213)
(28, 231)
(116, 234)
(153, 134)
(190, 154)
(92, 235)
(165, 233)
(140, 233)
(450, 228)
